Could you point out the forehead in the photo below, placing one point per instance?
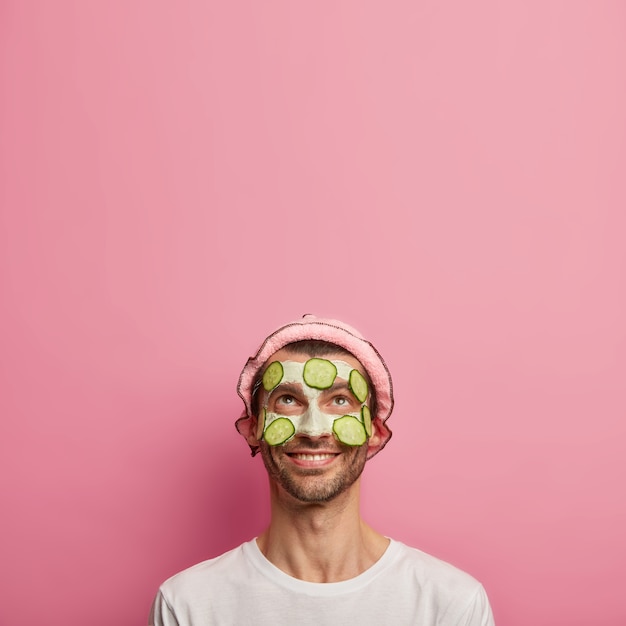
(286, 354)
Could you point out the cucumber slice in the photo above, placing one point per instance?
(279, 431)
(367, 419)
(358, 385)
(350, 430)
(261, 425)
(319, 373)
(272, 375)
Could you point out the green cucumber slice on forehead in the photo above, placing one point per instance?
(272, 375)
(279, 431)
(366, 414)
(350, 430)
(358, 385)
(319, 373)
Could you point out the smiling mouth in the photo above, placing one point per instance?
(312, 456)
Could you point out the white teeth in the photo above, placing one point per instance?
(313, 457)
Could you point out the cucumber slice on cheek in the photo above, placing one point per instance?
(366, 415)
(279, 431)
(350, 430)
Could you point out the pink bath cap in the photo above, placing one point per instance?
(333, 331)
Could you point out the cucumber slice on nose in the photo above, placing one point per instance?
(319, 373)
(350, 430)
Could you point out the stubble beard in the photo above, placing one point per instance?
(310, 485)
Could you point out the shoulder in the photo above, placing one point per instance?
(198, 576)
(435, 578)
(199, 593)
(441, 592)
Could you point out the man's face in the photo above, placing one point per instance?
(308, 407)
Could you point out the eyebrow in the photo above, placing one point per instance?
(296, 389)
(340, 386)
(286, 387)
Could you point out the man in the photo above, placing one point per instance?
(317, 396)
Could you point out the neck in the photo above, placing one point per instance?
(320, 542)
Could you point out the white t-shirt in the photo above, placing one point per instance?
(241, 587)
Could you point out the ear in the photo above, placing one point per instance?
(376, 438)
(250, 435)
(255, 430)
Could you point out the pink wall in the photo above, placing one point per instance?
(176, 179)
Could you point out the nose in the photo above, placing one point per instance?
(314, 423)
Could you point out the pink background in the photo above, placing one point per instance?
(177, 179)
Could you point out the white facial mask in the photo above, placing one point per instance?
(312, 382)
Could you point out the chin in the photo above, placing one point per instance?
(316, 485)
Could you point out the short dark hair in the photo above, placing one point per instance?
(312, 348)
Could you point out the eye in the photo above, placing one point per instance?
(340, 400)
(286, 399)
